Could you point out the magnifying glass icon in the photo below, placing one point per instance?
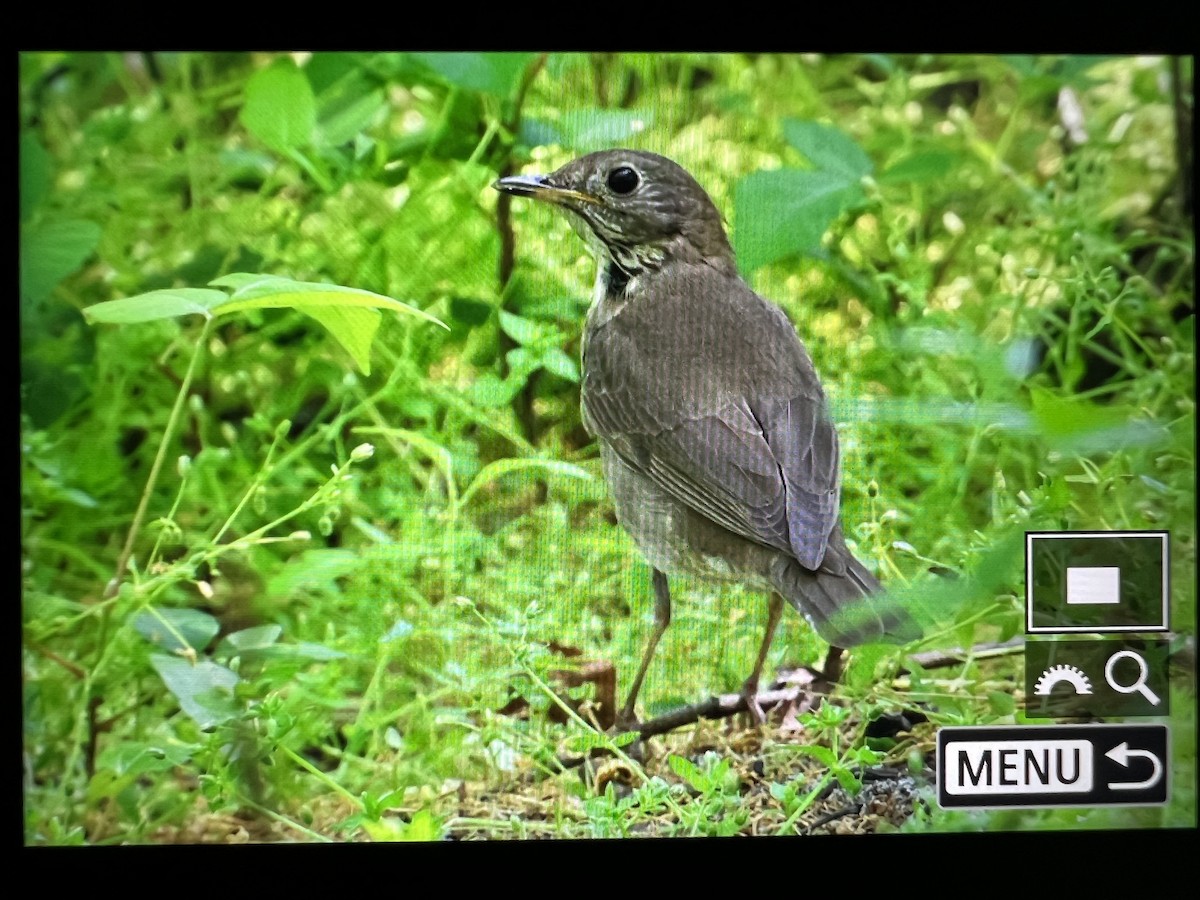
(1139, 683)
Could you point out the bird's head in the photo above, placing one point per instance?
(639, 209)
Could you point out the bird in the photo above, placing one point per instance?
(714, 433)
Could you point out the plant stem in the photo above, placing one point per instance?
(138, 517)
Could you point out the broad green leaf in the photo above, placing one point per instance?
(346, 107)
(1001, 703)
(860, 673)
(353, 328)
(280, 110)
(1062, 417)
(273, 292)
(489, 73)
(165, 304)
(787, 211)
(556, 360)
(522, 330)
(1071, 423)
(522, 362)
(585, 130)
(194, 626)
(204, 690)
(52, 251)
(827, 148)
(252, 638)
(35, 174)
(920, 167)
(490, 391)
(305, 650)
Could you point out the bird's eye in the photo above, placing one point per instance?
(623, 180)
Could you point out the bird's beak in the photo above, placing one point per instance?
(538, 187)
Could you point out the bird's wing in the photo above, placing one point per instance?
(753, 451)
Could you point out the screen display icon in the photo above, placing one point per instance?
(1111, 677)
(1096, 581)
(1059, 765)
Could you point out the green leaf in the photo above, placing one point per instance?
(346, 109)
(488, 73)
(165, 304)
(273, 292)
(787, 211)
(861, 671)
(305, 650)
(353, 328)
(523, 331)
(1071, 423)
(689, 772)
(35, 174)
(1002, 704)
(585, 130)
(556, 360)
(920, 167)
(823, 755)
(490, 391)
(252, 638)
(827, 148)
(260, 643)
(1062, 416)
(196, 627)
(204, 690)
(502, 467)
(280, 109)
(52, 251)
(582, 743)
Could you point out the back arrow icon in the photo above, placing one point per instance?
(1121, 754)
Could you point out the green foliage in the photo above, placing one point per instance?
(235, 611)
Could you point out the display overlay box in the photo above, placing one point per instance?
(1123, 676)
(1053, 766)
(1096, 581)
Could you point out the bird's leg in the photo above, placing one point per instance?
(662, 618)
(832, 670)
(750, 687)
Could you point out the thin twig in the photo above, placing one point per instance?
(936, 659)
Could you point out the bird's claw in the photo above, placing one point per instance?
(753, 707)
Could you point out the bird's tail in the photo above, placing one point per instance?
(846, 609)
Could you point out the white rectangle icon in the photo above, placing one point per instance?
(1093, 584)
(982, 768)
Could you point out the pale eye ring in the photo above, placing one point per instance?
(623, 180)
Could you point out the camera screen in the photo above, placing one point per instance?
(478, 446)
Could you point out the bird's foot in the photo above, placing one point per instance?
(625, 720)
(753, 707)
